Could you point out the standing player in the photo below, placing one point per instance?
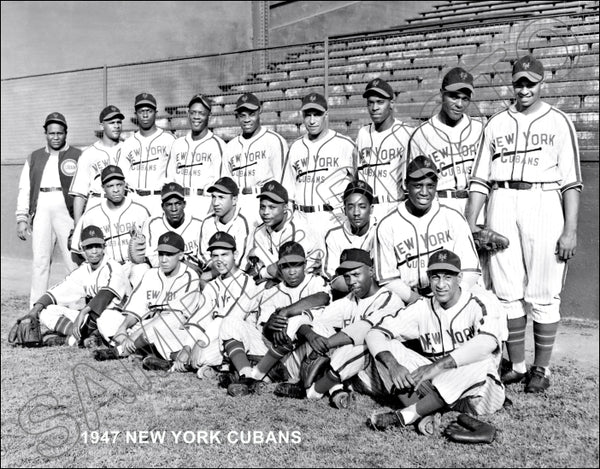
(195, 160)
(382, 147)
(44, 195)
(321, 165)
(461, 333)
(255, 157)
(86, 187)
(144, 155)
(450, 139)
(418, 227)
(528, 164)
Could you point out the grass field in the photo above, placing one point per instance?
(54, 399)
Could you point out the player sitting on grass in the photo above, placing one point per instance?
(461, 333)
(99, 281)
(157, 309)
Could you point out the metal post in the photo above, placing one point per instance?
(326, 66)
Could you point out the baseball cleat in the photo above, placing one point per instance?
(244, 387)
(293, 390)
(53, 340)
(156, 363)
(538, 381)
(340, 399)
(512, 376)
(227, 378)
(383, 419)
(103, 354)
(430, 424)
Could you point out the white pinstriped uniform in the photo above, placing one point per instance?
(441, 331)
(196, 165)
(189, 230)
(540, 147)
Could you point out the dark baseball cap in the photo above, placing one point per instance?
(200, 98)
(291, 252)
(274, 191)
(444, 260)
(170, 242)
(172, 189)
(110, 112)
(353, 259)
(111, 172)
(528, 67)
(225, 185)
(91, 234)
(247, 101)
(314, 101)
(57, 118)
(221, 240)
(379, 87)
(420, 167)
(457, 79)
(359, 187)
(145, 99)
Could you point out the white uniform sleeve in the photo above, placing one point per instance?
(482, 167)
(138, 303)
(71, 289)
(568, 163)
(80, 184)
(22, 212)
(113, 278)
(385, 258)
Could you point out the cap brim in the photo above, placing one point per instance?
(419, 173)
(204, 103)
(168, 195)
(291, 259)
(145, 103)
(55, 121)
(167, 248)
(250, 106)
(221, 245)
(272, 196)
(111, 177)
(444, 267)
(350, 265)
(218, 188)
(377, 91)
(90, 241)
(112, 115)
(308, 106)
(459, 86)
(533, 77)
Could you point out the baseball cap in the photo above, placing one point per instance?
(91, 234)
(291, 252)
(145, 99)
(359, 187)
(247, 101)
(57, 118)
(528, 67)
(110, 112)
(380, 87)
(226, 185)
(274, 191)
(170, 242)
(172, 189)
(444, 260)
(353, 259)
(421, 166)
(111, 172)
(200, 98)
(314, 101)
(221, 240)
(457, 79)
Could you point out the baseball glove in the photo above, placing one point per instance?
(137, 249)
(26, 333)
(467, 429)
(312, 367)
(489, 240)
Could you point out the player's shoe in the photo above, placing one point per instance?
(156, 363)
(206, 372)
(103, 354)
(511, 376)
(384, 419)
(227, 378)
(430, 424)
(340, 399)
(538, 381)
(54, 340)
(245, 386)
(293, 390)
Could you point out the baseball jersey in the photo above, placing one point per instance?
(195, 164)
(238, 227)
(92, 161)
(251, 162)
(189, 230)
(117, 225)
(441, 331)
(339, 238)
(381, 158)
(537, 147)
(144, 159)
(85, 283)
(320, 170)
(452, 149)
(282, 295)
(405, 242)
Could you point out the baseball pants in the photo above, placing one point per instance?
(51, 314)
(236, 328)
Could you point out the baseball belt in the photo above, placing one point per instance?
(187, 191)
(524, 186)
(144, 192)
(453, 194)
(382, 199)
(313, 208)
(50, 189)
(94, 194)
(251, 190)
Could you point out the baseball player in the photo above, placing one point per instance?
(86, 187)
(157, 309)
(119, 217)
(44, 196)
(418, 227)
(196, 159)
(382, 147)
(280, 225)
(461, 334)
(528, 166)
(357, 231)
(145, 154)
(99, 282)
(256, 156)
(320, 164)
(339, 330)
